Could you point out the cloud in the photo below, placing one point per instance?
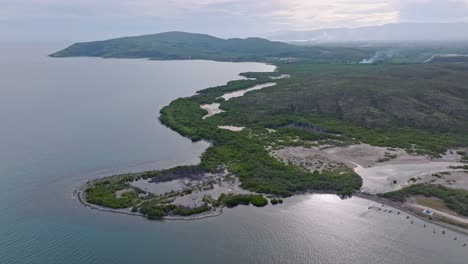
(108, 18)
(433, 10)
(336, 13)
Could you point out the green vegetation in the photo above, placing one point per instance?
(383, 105)
(464, 167)
(422, 108)
(455, 199)
(243, 199)
(463, 154)
(244, 153)
(258, 200)
(178, 172)
(276, 201)
(104, 193)
(401, 106)
(191, 211)
(419, 52)
(157, 209)
(181, 45)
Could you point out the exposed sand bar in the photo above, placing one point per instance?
(392, 177)
(379, 174)
(282, 76)
(232, 128)
(213, 109)
(240, 93)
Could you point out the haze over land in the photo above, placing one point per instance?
(402, 32)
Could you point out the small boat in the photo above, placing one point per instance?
(424, 225)
(411, 222)
(398, 213)
(455, 238)
(407, 217)
(443, 232)
(464, 245)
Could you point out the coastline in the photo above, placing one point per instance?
(218, 211)
(80, 193)
(400, 206)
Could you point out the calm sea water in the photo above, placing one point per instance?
(64, 121)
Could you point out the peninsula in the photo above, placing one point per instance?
(322, 122)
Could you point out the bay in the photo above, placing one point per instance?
(64, 121)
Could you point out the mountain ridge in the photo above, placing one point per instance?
(176, 45)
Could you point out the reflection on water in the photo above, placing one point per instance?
(68, 120)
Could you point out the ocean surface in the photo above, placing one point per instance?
(64, 121)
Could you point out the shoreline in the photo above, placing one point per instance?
(80, 191)
(218, 211)
(400, 206)
(80, 194)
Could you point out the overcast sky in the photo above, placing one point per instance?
(80, 20)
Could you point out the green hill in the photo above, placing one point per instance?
(181, 45)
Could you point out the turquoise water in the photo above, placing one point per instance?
(64, 121)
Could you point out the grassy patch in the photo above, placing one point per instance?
(433, 202)
(104, 193)
(455, 199)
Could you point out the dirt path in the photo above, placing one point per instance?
(444, 214)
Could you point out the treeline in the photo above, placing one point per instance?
(159, 208)
(242, 199)
(246, 156)
(193, 172)
(384, 105)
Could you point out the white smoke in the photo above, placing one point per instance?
(380, 56)
(368, 61)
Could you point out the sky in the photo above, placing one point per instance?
(82, 20)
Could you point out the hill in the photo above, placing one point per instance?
(426, 97)
(181, 45)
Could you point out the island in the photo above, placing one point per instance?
(393, 132)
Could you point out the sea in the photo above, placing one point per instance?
(64, 121)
